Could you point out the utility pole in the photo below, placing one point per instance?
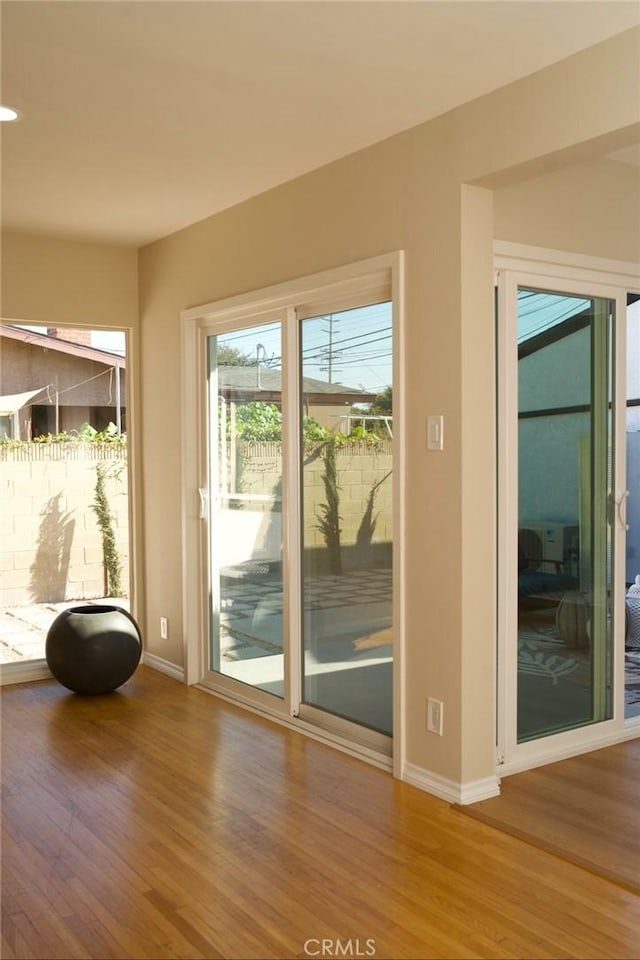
(259, 347)
(329, 366)
(118, 401)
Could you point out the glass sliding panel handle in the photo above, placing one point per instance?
(621, 503)
(204, 503)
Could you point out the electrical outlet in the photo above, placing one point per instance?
(164, 628)
(435, 712)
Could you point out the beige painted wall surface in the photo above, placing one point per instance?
(62, 282)
(405, 193)
(578, 109)
(586, 207)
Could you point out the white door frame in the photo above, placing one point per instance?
(354, 284)
(568, 273)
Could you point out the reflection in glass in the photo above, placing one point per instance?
(564, 526)
(347, 515)
(245, 417)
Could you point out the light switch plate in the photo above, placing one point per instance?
(435, 432)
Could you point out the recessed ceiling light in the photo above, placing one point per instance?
(7, 114)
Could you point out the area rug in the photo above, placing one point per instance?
(585, 810)
(554, 683)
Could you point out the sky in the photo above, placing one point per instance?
(112, 340)
(538, 311)
(361, 346)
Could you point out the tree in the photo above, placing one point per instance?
(259, 421)
(329, 517)
(106, 523)
(383, 404)
(233, 357)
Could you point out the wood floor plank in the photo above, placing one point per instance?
(584, 809)
(160, 822)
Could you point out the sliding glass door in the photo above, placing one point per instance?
(299, 502)
(245, 471)
(347, 521)
(565, 486)
(631, 511)
(561, 497)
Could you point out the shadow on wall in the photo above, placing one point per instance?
(50, 568)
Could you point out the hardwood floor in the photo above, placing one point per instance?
(586, 810)
(161, 822)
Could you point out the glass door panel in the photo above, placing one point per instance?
(347, 550)
(245, 445)
(565, 492)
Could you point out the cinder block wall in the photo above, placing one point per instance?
(360, 467)
(50, 542)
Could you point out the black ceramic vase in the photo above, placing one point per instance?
(94, 648)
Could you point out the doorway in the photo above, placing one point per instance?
(562, 492)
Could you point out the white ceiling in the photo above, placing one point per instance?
(142, 117)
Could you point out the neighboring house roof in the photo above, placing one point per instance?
(264, 383)
(47, 342)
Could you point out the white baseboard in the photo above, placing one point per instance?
(163, 666)
(24, 672)
(450, 790)
(479, 790)
(19, 672)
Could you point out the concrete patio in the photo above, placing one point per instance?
(23, 630)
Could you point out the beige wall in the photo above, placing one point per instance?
(405, 193)
(426, 191)
(62, 282)
(589, 206)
